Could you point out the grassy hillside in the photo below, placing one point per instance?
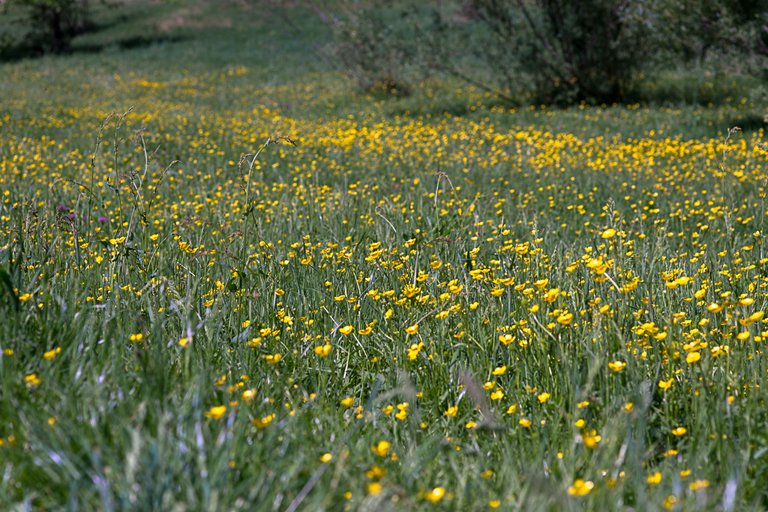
(231, 281)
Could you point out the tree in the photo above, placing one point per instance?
(568, 51)
(54, 23)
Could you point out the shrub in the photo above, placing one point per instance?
(53, 23)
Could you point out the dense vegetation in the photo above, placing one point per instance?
(231, 280)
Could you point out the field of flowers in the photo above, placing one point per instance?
(221, 291)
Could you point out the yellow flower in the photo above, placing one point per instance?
(544, 397)
(452, 411)
(264, 421)
(565, 318)
(692, 357)
(580, 487)
(346, 330)
(617, 366)
(506, 339)
(136, 337)
(524, 422)
(48, 356)
(715, 307)
(590, 438)
(323, 350)
(381, 448)
(374, 488)
(501, 370)
(654, 478)
(348, 402)
(608, 233)
(326, 458)
(435, 495)
(412, 329)
(216, 412)
(551, 295)
(665, 384)
(679, 431)
(32, 380)
(697, 485)
(413, 351)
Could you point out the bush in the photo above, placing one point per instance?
(547, 51)
(53, 23)
(564, 51)
(376, 44)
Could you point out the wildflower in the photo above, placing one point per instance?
(51, 354)
(216, 412)
(326, 458)
(654, 478)
(543, 397)
(32, 380)
(413, 329)
(136, 337)
(715, 307)
(698, 485)
(679, 431)
(413, 351)
(617, 366)
(402, 411)
(580, 487)
(665, 384)
(499, 370)
(435, 495)
(451, 412)
(264, 421)
(346, 330)
(323, 350)
(590, 438)
(565, 318)
(381, 448)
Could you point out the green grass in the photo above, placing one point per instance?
(168, 306)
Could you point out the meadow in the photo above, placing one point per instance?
(230, 281)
